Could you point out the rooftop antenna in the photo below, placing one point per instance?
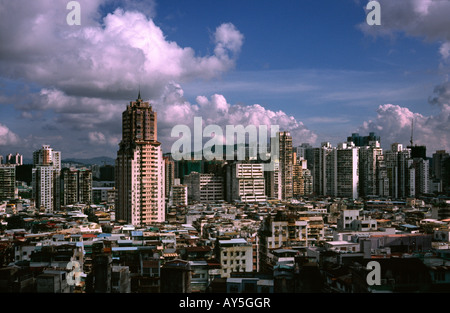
(412, 132)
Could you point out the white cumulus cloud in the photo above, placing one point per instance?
(426, 19)
(173, 109)
(393, 124)
(7, 137)
(103, 56)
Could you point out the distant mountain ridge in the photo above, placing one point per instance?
(91, 161)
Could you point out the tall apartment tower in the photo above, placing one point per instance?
(421, 168)
(297, 177)
(139, 170)
(397, 171)
(348, 170)
(204, 187)
(439, 158)
(7, 181)
(169, 168)
(441, 168)
(245, 182)
(302, 179)
(46, 175)
(16, 159)
(286, 164)
(371, 170)
(324, 170)
(273, 182)
(76, 186)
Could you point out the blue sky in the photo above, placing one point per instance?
(317, 63)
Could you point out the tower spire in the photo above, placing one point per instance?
(139, 94)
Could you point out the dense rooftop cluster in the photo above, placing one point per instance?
(308, 245)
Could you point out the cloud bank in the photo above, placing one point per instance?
(106, 58)
(79, 79)
(427, 20)
(7, 137)
(173, 109)
(393, 124)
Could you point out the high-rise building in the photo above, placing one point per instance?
(46, 178)
(361, 141)
(76, 186)
(204, 187)
(307, 180)
(297, 178)
(273, 181)
(303, 151)
(185, 167)
(16, 159)
(418, 151)
(302, 180)
(84, 186)
(446, 176)
(347, 170)
(440, 171)
(139, 168)
(178, 194)
(106, 172)
(47, 156)
(421, 169)
(306, 151)
(245, 182)
(324, 170)
(7, 181)
(169, 170)
(286, 162)
(397, 173)
(439, 158)
(371, 170)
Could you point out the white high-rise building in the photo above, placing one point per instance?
(46, 174)
(245, 182)
(140, 197)
(347, 170)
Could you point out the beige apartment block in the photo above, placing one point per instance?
(140, 167)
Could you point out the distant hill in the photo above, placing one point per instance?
(97, 160)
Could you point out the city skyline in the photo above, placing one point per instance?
(320, 72)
